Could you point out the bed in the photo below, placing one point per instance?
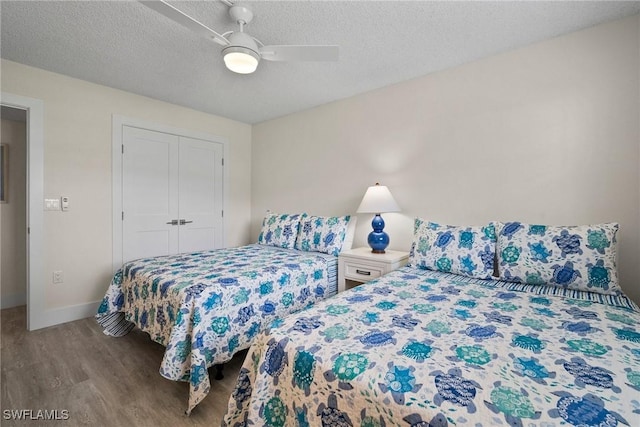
(206, 306)
(425, 347)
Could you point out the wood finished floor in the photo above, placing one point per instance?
(100, 380)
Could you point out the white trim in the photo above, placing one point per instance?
(36, 312)
(70, 313)
(13, 300)
(116, 191)
(118, 122)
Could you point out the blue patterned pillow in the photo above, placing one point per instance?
(574, 257)
(279, 230)
(469, 251)
(324, 234)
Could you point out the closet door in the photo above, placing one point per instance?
(149, 193)
(171, 194)
(200, 200)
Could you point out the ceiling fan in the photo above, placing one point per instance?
(241, 51)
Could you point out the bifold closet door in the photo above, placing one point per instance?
(149, 193)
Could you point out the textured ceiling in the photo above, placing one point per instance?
(128, 46)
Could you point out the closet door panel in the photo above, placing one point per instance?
(200, 189)
(150, 193)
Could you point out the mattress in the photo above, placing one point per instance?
(424, 348)
(206, 306)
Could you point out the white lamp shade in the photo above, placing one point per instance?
(378, 199)
(240, 60)
(241, 56)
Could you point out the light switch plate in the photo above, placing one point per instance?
(51, 204)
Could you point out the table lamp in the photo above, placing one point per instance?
(378, 199)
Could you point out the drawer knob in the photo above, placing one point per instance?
(364, 272)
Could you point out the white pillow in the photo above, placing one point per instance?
(351, 234)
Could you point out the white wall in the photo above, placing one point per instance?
(13, 218)
(546, 134)
(77, 163)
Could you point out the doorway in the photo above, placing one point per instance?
(13, 208)
(33, 255)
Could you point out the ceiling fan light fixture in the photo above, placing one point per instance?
(241, 51)
(240, 59)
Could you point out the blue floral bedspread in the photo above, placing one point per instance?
(205, 306)
(422, 348)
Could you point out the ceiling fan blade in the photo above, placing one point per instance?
(299, 53)
(181, 18)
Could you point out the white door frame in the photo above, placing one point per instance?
(36, 291)
(118, 122)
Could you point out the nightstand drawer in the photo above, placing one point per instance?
(362, 272)
(361, 265)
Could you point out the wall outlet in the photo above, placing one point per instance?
(58, 277)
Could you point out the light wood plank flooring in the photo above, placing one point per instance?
(100, 380)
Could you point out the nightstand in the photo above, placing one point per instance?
(361, 265)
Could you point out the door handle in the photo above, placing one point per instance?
(173, 222)
(183, 222)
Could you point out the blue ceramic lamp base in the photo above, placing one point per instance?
(378, 239)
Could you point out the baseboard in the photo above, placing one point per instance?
(57, 316)
(13, 300)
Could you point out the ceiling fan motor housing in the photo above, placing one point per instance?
(242, 40)
(241, 14)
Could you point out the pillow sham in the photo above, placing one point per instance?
(351, 234)
(324, 234)
(465, 250)
(574, 257)
(279, 230)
